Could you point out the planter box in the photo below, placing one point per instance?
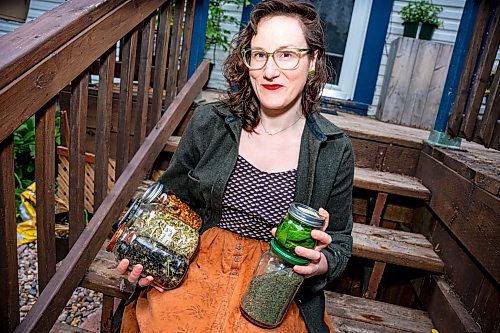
(413, 82)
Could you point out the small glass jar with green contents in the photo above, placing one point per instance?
(295, 229)
(272, 288)
(167, 267)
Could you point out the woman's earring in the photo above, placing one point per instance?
(310, 75)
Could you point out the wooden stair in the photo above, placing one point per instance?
(351, 314)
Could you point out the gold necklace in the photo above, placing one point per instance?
(282, 130)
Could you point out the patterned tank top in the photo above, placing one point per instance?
(255, 201)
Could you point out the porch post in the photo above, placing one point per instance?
(438, 135)
(199, 35)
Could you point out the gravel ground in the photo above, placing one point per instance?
(83, 302)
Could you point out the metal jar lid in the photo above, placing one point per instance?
(152, 193)
(306, 215)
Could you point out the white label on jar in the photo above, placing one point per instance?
(167, 234)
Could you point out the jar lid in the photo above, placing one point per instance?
(119, 232)
(152, 192)
(289, 258)
(130, 212)
(306, 214)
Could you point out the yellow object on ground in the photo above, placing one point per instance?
(26, 230)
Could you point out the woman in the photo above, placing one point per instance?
(240, 164)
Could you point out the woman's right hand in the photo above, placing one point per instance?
(135, 274)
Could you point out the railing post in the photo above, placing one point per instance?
(199, 35)
(438, 135)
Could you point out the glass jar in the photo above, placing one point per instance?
(272, 288)
(167, 267)
(155, 194)
(155, 221)
(295, 229)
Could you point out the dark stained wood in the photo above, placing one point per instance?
(77, 124)
(186, 44)
(107, 314)
(395, 247)
(45, 311)
(394, 211)
(351, 314)
(145, 63)
(161, 50)
(459, 107)
(491, 112)
(468, 211)
(44, 80)
(129, 51)
(102, 277)
(45, 181)
(390, 183)
(9, 288)
(173, 53)
(444, 307)
(375, 278)
(483, 70)
(33, 40)
(484, 309)
(103, 125)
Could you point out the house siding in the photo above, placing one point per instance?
(37, 8)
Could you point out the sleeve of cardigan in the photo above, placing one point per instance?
(339, 207)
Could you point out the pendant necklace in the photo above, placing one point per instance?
(282, 130)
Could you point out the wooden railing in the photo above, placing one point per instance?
(465, 120)
(37, 62)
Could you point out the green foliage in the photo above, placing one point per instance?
(217, 35)
(422, 11)
(24, 155)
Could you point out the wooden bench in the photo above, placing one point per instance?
(351, 314)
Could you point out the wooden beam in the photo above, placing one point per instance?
(33, 41)
(173, 53)
(33, 89)
(9, 288)
(45, 181)
(53, 299)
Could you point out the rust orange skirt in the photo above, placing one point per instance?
(209, 298)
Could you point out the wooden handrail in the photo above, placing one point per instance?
(53, 299)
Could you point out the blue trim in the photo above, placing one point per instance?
(245, 16)
(464, 36)
(332, 105)
(372, 50)
(199, 35)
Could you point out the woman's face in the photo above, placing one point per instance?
(280, 90)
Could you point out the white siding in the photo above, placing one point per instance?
(451, 14)
(37, 8)
(217, 80)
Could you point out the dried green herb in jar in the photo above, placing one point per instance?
(166, 267)
(272, 288)
(155, 221)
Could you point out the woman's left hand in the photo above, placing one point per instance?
(318, 264)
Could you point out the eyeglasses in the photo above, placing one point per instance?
(286, 58)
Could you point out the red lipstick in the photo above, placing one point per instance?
(272, 86)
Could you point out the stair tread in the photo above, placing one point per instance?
(392, 183)
(395, 247)
(356, 314)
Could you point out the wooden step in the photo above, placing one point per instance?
(351, 314)
(392, 183)
(366, 178)
(395, 247)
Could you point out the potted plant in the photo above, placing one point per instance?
(421, 14)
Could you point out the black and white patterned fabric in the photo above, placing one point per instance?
(255, 201)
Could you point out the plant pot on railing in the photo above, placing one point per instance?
(426, 31)
(410, 29)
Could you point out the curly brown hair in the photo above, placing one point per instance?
(241, 99)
